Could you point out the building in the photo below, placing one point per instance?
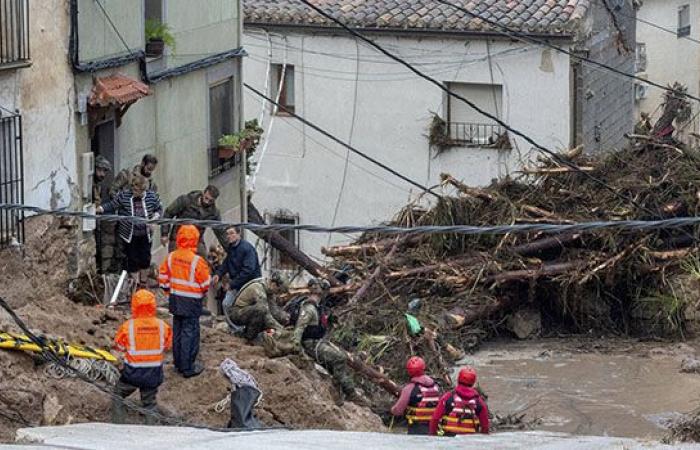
(90, 88)
(668, 51)
(380, 107)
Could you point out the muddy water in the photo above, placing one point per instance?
(621, 389)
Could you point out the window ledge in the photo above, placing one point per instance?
(16, 65)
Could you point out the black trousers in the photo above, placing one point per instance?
(185, 342)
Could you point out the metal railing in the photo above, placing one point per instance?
(14, 32)
(219, 165)
(474, 134)
(11, 180)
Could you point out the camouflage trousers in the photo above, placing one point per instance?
(333, 360)
(255, 318)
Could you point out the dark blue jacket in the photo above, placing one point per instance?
(241, 264)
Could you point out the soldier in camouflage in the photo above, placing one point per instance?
(309, 337)
(146, 168)
(255, 307)
(105, 232)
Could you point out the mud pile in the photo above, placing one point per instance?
(295, 395)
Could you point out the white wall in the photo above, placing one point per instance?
(385, 110)
(669, 58)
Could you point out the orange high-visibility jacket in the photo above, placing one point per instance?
(144, 338)
(184, 273)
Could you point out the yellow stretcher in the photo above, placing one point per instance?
(11, 341)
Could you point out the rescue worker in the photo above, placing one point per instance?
(123, 179)
(241, 263)
(105, 232)
(418, 398)
(143, 339)
(255, 309)
(185, 276)
(199, 205)
(462, 410)
(309, 337)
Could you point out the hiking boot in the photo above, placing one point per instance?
(196, 370)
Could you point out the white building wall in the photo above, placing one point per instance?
(383, 109)
(669, 58)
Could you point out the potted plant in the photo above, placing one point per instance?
(158, 35)
(229, 144)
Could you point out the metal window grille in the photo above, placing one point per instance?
(14, 32)
(474, 134)
(11, 180)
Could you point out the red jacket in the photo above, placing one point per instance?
(401, 404)
(466, 393)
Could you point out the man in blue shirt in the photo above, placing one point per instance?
(241, 264)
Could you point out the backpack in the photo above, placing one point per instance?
(311, 332)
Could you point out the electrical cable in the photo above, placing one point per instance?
(339, 141)
(581, 227)
(114, 27)
(471, 104)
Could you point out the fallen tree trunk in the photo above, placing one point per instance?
(367, 249)
(444, 266)
(555, 170)
(550, 243)
(376, 274)
(533, 274)
(373, 375)
(336, 290)
(281, 244)
(446, 178)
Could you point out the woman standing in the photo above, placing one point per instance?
(136, 237)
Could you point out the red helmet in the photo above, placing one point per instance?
(467, 376)
(415, 366)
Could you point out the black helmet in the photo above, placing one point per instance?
(324, 284)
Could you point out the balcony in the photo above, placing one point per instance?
(465, 134)
(218, 165)
(14, 34)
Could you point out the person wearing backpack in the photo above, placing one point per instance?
(309, 336)
(462, 410)
(418, 398)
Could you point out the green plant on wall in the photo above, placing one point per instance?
(159, 31)
(247, 139)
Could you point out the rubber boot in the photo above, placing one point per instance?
(118, 411)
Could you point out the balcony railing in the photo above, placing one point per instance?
(14, 33)
(219, 165)
(478, 135)
(11, 180)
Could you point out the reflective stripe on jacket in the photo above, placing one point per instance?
(424, 400)
(461, 417)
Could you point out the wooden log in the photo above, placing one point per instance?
(476, 313)
(367, 249)
(555, 170)
(446, 178)
(540, 245)
(534, 210)
(373, 375)
(377, 273)
(544, 220)
(277, 241)
(335, 290)
(430, 337)
(671, 254)
(535, 272)
(449, 265)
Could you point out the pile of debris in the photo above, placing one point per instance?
(463, 288)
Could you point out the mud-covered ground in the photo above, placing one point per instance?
(34, 284)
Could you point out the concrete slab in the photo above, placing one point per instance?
(98, 436)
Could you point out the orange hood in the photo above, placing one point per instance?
(143, 304)
(187, 237)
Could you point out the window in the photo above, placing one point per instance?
(14, 33)
(468, 127)
(11, 174)
(221, 122)
(286, 93)
(281, 261)
(640, 62)
(154, 10)
(684, 21)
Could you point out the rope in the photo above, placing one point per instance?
(581, 227)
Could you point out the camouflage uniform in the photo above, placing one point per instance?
(123, 180)
(321, 350)
(188, 206)
(254, 310)
(105, 232)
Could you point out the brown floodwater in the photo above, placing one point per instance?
(613, 388)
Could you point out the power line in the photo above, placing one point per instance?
(337, 140)
(659, 27)
(581, 227)
(114, 27)
(506, 31)
(471, 104)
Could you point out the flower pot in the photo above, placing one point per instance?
(226, 152)
(246, 144)
(155, 48)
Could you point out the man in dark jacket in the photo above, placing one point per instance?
(199, 205)
(241, 262)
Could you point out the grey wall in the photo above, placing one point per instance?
(606, 100)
